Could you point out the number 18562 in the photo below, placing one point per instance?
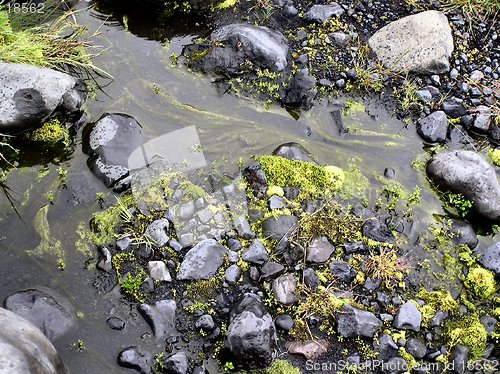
(24, 7)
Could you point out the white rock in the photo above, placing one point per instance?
(158, 271)
(420, 43)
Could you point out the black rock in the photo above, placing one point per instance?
(294, 151)
(176, 364)
(202, 261)
(271, 270)
(377, 230)
(416, 348)
(255, 253)
(460, 359)
(301, 90)
(466, 172)
(277, 228)
(131, 358)
(320, 13)
(115, 323)
(251, 334)
(454, 107)
(256, 179)
(311, 279)
(109, 142)
(463, 233)
(342, 271)
(50, 312)
(434, 127)
(160, 316)
(353, 323)
(490, 258)
(284, 322)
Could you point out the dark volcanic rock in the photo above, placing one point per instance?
(294, 151)
(160, 316)
(463, 233)
(24, 349)
(263, 47)
(490, 258)
(53, 315)
(109, 142)
(277, 228)
(454, 107)
(30, 94)
(319, 250)
(377, 230)
(320, 13)
(132, 358)
(434, 127)
(251, 335)
(256, 179)
(342, 271)
(255, 253)
(202, 261)
(468, 173)
(301, 90)
(177, 363)
(353, 322)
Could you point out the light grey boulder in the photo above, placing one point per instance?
(24, 349)
(202, 261)
(319, 250)
(420, 43)
(284, 289)
(468, 173)
(30, 94)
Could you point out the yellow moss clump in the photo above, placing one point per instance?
(494, 156)
(275, 190)
(481, 282)
(469, 332)
(51, 133)
(279, 367)
(310, 179)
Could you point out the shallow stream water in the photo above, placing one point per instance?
(134, 52)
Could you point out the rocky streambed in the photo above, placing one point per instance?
(324, 197)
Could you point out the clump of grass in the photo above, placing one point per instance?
(387, 266)
(44, 46)
(475, 9)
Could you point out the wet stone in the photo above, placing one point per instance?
(177, 363)
(132, 358)
(202, 261)
(255, 253)
(115, 323)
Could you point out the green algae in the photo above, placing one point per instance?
(48, 244)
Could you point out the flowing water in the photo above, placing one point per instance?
(135, 53)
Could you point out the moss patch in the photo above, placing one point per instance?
(481, 282)
(309, 178)
(469, 332)
(494, 156)
(51, 133)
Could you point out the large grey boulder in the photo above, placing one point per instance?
(109, 143)
(421, 43)
(251, 335)
(466, 172)
(202, 261)
(45, 309)
(24, 349)
(30, 94)
(239, 43)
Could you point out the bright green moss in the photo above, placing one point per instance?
(481, 282)
(410, 360)
(131, 285)
(104, 223)
(495, 156)
(52, 132)
(469, 332)
(226, 4)
(275, 190)
(352, 107)
(439, 300)
(279, 367)
(310, 179)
